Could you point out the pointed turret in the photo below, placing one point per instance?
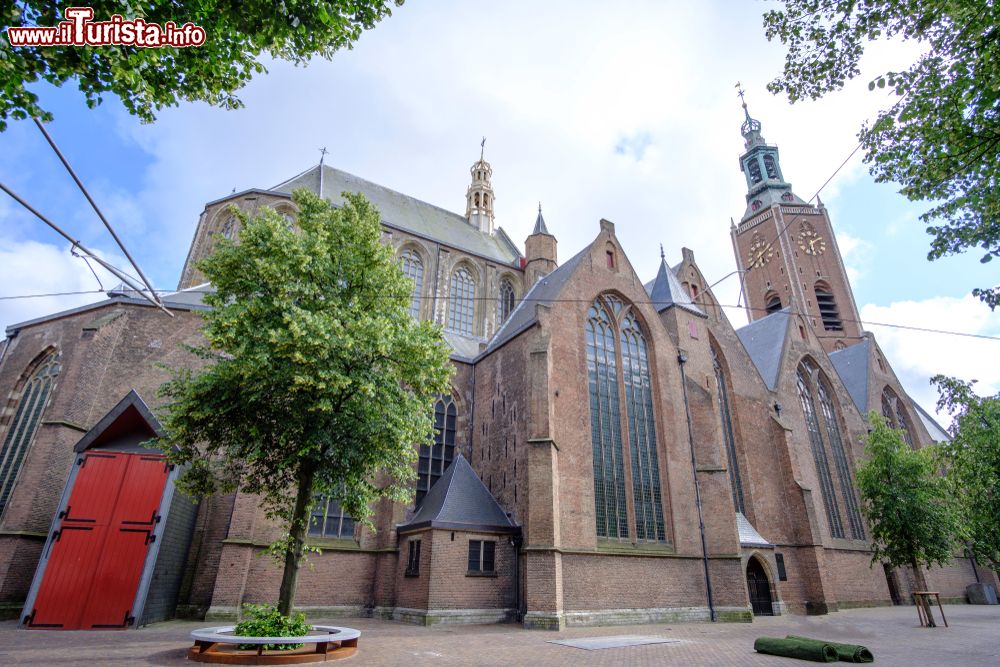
(666, 291)
(760, 164)
(539, 251)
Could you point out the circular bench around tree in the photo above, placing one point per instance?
(220, 646)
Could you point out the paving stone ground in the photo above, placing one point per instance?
(893, 635)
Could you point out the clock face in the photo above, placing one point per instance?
(760, 252)
(810, 242)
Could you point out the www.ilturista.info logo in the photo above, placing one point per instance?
(79, 30)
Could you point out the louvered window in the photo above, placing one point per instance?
(828, 308)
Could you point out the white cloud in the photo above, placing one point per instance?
(857, 253)
(916, 356)
(32, 268)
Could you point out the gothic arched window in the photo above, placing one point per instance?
(828, 308)
(435, 459)
(805, 382)
(413, 269)
(229, 228)
(735, 479)
(506, 303)
(462, 304)
(840, 460)
(895, 414)
(33, 395)
(612, 333)
(770, 166)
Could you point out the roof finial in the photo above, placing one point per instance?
(663, 256)
(750, 126)
(539, 207)
(482, 148)
(322, 155)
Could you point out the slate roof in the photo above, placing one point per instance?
(460, 501)
(544, 291)
(938, 433)
(749, 537)
(407, 213)
(540, 227)
(852, 367)
(666, 291)
(764, 340)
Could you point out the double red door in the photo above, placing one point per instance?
(99, 549)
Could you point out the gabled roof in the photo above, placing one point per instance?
(666, 291)
(749, 537)
(764, 340)
(131, 416)
(460, 501)
(544, 291)
(406, 213)
(852, 364)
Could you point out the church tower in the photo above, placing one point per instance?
(479, 197)
(786, 250)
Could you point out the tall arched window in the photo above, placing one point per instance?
(754, 168)
(229, 228)
(805, 381)
(895, 414)
(770, 167)
(840, 460)
(413, 269)
(613, 330)
(462, 304)
(735, 479)
(828, 308)
(34, 394)
(505, 305)
(435, 459)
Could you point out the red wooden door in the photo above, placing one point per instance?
(99, 550)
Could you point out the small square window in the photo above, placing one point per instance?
(413, 559)
(482, 556)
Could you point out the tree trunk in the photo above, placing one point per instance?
(297, 533)
(918, 575)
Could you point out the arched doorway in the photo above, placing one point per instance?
(759, 588)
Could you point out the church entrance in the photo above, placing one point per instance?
(759, 588)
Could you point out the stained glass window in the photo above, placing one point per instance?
(462, 305)
(819, 452)
(735, 479)
(413, 269)
(840, 459)
(605, 424)
(506, 305)
(613, 330)
(435, 459)
(34, 394)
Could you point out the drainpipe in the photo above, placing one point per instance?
(681, 360)
(516, 541)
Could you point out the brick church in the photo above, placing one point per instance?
(613, 450)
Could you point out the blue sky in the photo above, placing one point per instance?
(596, 110)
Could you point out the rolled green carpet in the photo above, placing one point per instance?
(794, 648)
(845, 652)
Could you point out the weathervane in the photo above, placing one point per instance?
(482, 148)
(741, 92)
(663, 256)
(322, 155)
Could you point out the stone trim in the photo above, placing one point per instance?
(582, 618)
(449, 616)
(24, 533)
(332, 545)
(641, 551)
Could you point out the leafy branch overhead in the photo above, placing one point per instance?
(238, 36)
(940, 137)
(318, 381)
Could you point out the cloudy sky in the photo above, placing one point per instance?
(624, 111)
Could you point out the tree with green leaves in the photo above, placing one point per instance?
(908, 505)
(973, 463)
(319, 381)
(238, 36)
(940, 137)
